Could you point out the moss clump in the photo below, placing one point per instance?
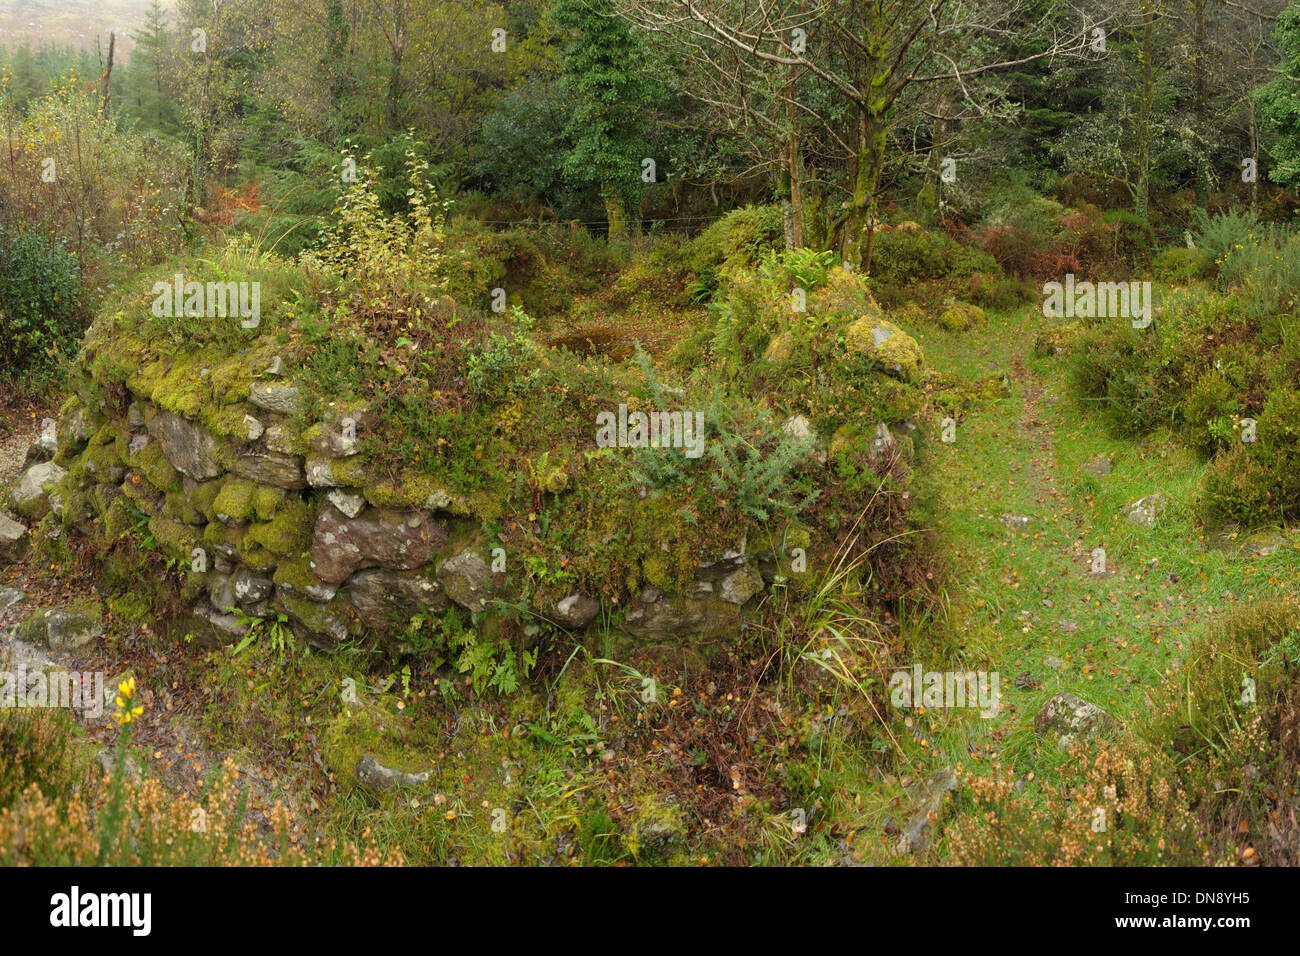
(288, 531)
(176, 540)
(295, 573)
(203, 497)
(131, 607)
(370, 729)
(266, 501)
(153, 465)
(655, 828)
(961, 317)
(235, 500)
(657, 569)
(219, 537)
(257, 557)
(888, 345)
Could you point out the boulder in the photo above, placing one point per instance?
(886, 344)
(189, 448)
(13, 540)
(398, 540)
(65, 628)
(1064, 717)
(30, 495)
(467, 579)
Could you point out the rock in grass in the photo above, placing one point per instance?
(886, 344)
(1098, 467)
(374, 774)
(575, 611)
(1065, 717)
(927, 797)
(1144, 511)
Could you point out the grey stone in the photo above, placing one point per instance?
(382, 597)
(332, 440)
(348, 503)
(399, 540)
(797, 426)
(374, 774)
(1144, 511)
(276, 397)
(467, 579)
(575, 611)
(9, 597)
(42, 449)
(65, 628)
(1065, 717)
(30, 495)
(1098, 467)
(271, 468)
(249, 587)
(189, 448)
(927, 795)
(13, 540)
(741, 585)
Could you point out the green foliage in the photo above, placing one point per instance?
(902, 257)
(1278, 103)
(395, 262)
(733, 243)
(41, 308)
(506, 365)
(1225, 234)
(1181, 264)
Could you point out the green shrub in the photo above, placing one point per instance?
(1225, 233)
(41, 309)
(734, 242)
(900, 257)
(1181, 264)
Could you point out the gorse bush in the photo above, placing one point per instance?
(1225, 233)
(41, 308)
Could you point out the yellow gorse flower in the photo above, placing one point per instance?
(125, 698)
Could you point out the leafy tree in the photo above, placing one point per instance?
(1279, 100)
(602, 72)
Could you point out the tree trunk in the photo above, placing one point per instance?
(859, 232)
(615, 213)
(108, 75)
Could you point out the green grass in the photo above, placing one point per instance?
(1010, 589)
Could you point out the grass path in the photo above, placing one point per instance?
(1024, 601)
